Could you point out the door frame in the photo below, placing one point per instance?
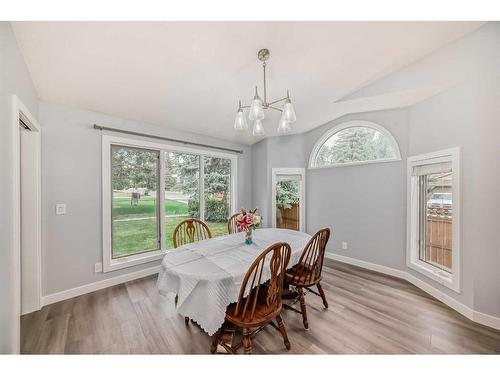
(302, 208)
(20, 111)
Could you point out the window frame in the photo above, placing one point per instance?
(353, 124)
(110, 264)
(413, 261)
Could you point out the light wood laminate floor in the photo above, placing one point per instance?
(369, 313)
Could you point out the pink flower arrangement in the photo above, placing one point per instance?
(248, 220)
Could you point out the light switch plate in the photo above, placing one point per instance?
(60, 208)
(98, 267)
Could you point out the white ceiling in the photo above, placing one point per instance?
(190, 75)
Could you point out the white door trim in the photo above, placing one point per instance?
(20, 111)
(302, 207)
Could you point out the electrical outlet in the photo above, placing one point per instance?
(60, 208)
(98, 267)
(344, 245)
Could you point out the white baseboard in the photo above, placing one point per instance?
(439, 295)
(92, 287)
(485, 319)
(476, 316)
(370, 266)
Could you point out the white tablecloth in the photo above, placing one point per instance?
(207, 275)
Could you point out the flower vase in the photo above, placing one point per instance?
(248, 236)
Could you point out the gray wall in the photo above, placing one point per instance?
(366, 205)
(468, 116)
(465, 114)
(71, 170)
(261, 184)
(273, 152)
(14, 79)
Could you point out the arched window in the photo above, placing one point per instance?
(354, 142)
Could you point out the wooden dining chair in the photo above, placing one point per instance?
(232, 226)
(190, 230)
(187, 231)
(307, 272)
(258, 304)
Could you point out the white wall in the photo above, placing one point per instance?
(71, 170)
(14, 79)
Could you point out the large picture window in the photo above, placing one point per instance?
(354, 142)
(149, 188)
(434, 216)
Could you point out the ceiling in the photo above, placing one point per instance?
(190, 75)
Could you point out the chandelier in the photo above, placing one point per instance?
(256, 111)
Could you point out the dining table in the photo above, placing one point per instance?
(202, 278)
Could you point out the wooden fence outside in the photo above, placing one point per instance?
(439, 237)
(288, 218)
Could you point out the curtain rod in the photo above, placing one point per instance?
(99, 127)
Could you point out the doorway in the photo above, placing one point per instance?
(288, 198)
(26, 213)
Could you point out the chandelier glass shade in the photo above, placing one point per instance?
(240, 123)
(257, 108)
(258, 128)
(289, 112)
(256, 111)
(283, 125)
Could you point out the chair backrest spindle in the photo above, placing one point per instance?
(250, 292)
(311, 261)
(232, 226)
(190, 230)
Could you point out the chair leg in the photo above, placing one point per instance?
(215, 341)
(322, 294)
(247, 342)
(281, 326)
(303, 308)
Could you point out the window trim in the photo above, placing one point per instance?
(110, 264)
(452, 155)
(353, 124)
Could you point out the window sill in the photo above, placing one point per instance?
(442, 277)
(133, 260)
